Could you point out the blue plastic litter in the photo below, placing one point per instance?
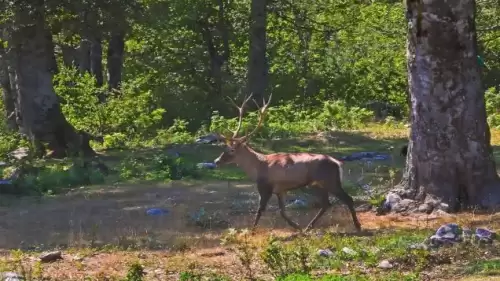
(366, 156)
(211, 138)
(207, 165)
(156, 212)
(5, 182)
(483, 233)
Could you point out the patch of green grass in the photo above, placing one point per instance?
(484, 267)
(394, 276)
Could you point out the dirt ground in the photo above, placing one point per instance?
(104, 215)
(118, 216)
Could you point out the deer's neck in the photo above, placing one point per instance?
(251, 161)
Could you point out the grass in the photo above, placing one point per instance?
(104, 233)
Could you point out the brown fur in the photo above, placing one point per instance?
(279, 172)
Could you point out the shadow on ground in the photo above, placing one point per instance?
(117, 215)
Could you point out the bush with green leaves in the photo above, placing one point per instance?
(124, 116)
(45, 177)
(290, 120)
(492, 100)
(157, 168)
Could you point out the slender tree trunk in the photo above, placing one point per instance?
(217, 42)
(84, 54)
(258, 66)
(69, 55)
(450, 158)
(39, 110)
(116, 48)
(305, 36)
(96, 60)
(8, 95)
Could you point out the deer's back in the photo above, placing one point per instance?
(289, 169)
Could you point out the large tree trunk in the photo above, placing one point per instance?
(258, 66)
(39, 110)
(116, 48)
(450, 162)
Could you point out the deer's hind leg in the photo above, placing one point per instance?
(283, 213)
(322, 194)
(265, 193)
(347, 200)
(332, 183)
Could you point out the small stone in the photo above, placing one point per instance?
(392, 198)
(325, 253)
(418, 246)
(12, 276)
(444, 207)
(485, 233)
(385, 264)
(51, 256)
(349, 251)
(403, 205)
(441, 213)
(425, 208)
(78, 258)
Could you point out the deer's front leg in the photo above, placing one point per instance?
(283, 213)
(265, 193)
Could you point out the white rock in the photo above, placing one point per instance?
(349, 251)
(385, 264)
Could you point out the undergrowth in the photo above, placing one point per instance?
(298, 259)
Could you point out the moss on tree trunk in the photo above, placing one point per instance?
(450, 158)
(40, 115)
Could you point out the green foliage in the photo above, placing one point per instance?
(177, 133)
(492, 100)
(50, 178)
(9, 140)
(327, 277)
(135, 272)
(290, 120)
(157, 168)
(337, 115)
(283, 260)
(490, 267)
(125, 116)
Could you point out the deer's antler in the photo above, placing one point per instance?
(241, 110)
(262, 114)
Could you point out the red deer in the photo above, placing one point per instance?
(278, 173)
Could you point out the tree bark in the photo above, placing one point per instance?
(258, 66)
(69, 55)
(216, 38)
(84, 55)
(96, 60)
(116, 48)
(40, 115)
(8, 95)
(51, 54)
(450, 157)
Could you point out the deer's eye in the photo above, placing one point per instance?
(231, 150)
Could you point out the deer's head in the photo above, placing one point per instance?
(235, 147)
